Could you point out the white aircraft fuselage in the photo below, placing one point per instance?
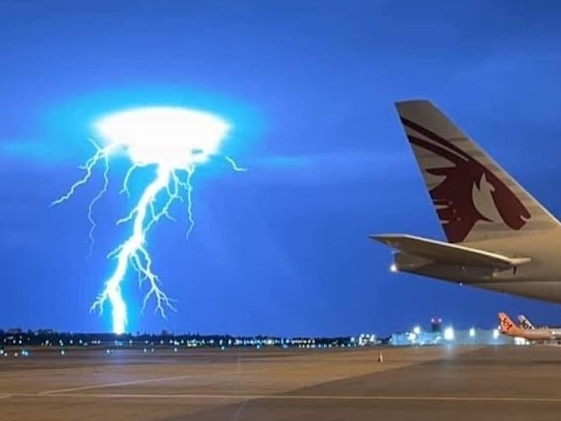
(540, 334)
(498, 236)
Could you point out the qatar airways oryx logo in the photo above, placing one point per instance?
(469, 192)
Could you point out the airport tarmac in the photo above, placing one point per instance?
(418, 383)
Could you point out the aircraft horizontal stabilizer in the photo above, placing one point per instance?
(438, 251)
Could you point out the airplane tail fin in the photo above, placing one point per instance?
(525, 323)
(475, 199)
(507, 326)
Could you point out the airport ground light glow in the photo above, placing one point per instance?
(173, 140)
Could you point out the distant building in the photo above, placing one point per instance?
(14, 331)
(436, 324)
(450, 336)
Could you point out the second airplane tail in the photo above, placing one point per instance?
(507, 326)
(525, 323)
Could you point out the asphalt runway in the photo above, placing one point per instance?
(425, 383)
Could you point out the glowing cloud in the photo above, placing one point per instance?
(175, 141)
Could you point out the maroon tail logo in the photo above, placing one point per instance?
(453, 197)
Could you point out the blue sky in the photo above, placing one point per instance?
(309, 87)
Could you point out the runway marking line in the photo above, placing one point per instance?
(163, 379)
(59, 392)
(292, 397)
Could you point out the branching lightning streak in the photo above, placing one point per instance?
(97, 197)
(102, 154)
(133, 251)
(144, 215)
(235, 166)
(173, 180)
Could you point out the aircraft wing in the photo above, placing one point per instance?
(441, 252)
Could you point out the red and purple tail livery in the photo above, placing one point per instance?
(474, 198)
(499, 237)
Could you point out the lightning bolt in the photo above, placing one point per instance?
(172, 183)
(102, 154)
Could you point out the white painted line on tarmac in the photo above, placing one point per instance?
(153, 380)
(298, 397)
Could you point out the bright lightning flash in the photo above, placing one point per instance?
(174, 140)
